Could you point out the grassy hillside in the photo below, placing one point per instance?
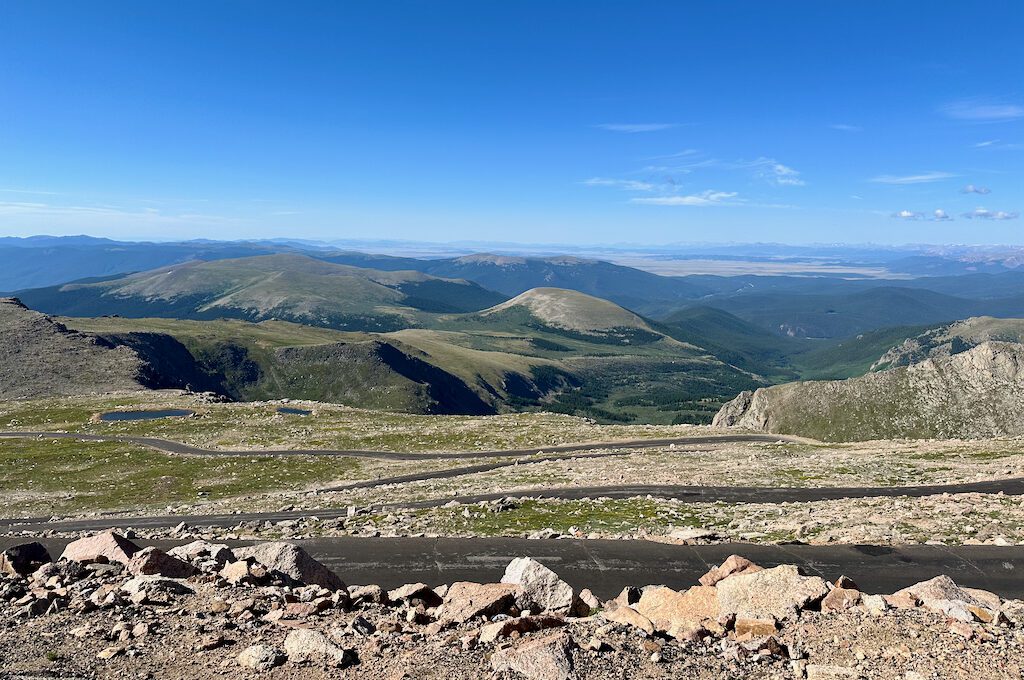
(285, 286)
(736, 341)
(580, 356)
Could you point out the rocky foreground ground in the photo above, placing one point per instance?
(107, 609)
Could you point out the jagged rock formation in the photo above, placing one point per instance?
(972, 394)
(41, 357)
(951, 339)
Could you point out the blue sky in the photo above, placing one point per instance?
(570, 122)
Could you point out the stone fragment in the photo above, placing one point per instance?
(543, 586)
(465, 600)
(733, 565)
(107, 546)
(942, 595)
(840, 599)
(777, 593)
(190, 552)
(827, 672)
(875, 604)
(155, 584)
(260, 657)
(110, 652)
(370, 593)
(755, 627)
(23, 559)
(155, 561)
(628, 616)
(415, 591)
(309, 645)
(588, 598)
(545, 658)
(491, 632)
(293, 562)
(679, 614)
(244, 571)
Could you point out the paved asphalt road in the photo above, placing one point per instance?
(606, 566)
(177, 447)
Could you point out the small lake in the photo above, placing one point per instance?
(289, 411)
(145, 415)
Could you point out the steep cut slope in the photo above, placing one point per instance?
(285, 286)
(976, 393)
(40, 357)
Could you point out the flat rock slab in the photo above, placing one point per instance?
(465, 600)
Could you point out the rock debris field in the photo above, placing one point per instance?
(107, 608)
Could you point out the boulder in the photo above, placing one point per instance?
(942, 595)
(543, 586)
(679, 614)
(465, 600)
(292, 562)
(309, 645)
(755, 627)
(412, 592)
(196, 550)
(243, 572)
(628, 616)
(155, 584)
(840, 599)
(155, 561)
(260, 657)
(733, 565)
(545, 658)
(777, 593)
(108, 546)
(23, 559)
(491, 632)
(588, 598)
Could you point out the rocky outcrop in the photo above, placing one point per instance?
(40, 357)
(977, 393)
(751, 622)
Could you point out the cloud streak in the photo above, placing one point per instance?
(974, 189)
(923, 178)
(704, 198)
(985, 214)
(633, 128)
(627, 184)
(982, 111)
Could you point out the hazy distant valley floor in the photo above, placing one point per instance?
(68, 478)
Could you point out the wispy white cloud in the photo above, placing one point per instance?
(908, 215)
(107, 213)
(975, 189)
(29, 192)
(627, 184)
(939, 215)
(923, 178)
(985, 214)
(982, 111)
(704, 198)
(776, 173)
(844, 127)
(986, 143)
(632, 128)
